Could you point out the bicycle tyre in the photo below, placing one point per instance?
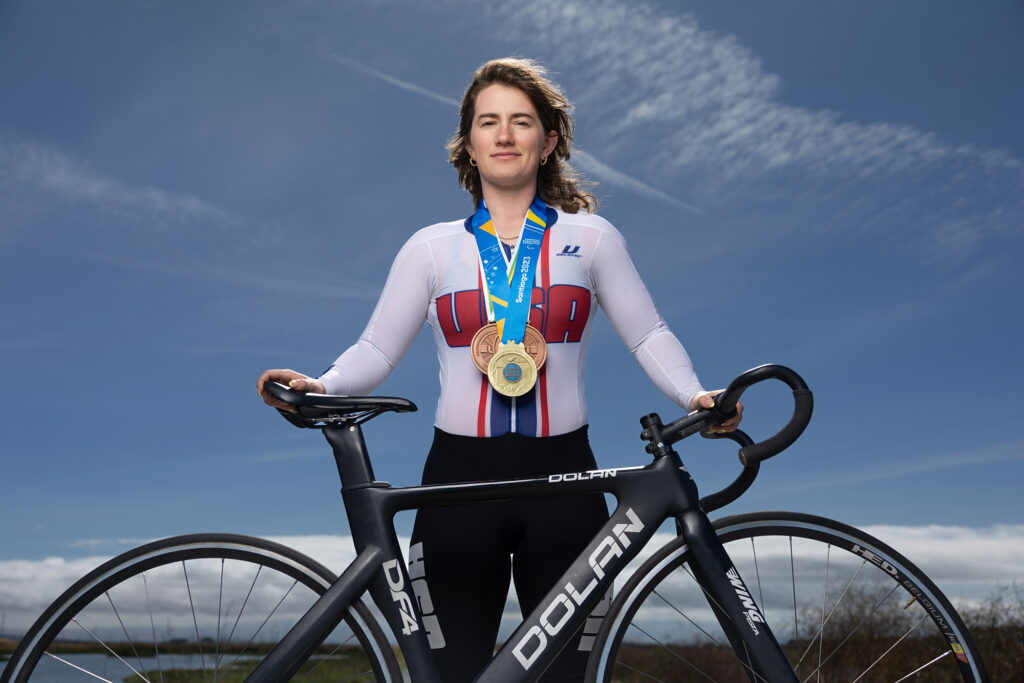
(233, 597)
(869, 614)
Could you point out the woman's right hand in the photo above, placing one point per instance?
(289, 378)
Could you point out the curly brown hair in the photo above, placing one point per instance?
(557, 183)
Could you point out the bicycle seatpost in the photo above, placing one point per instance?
(350, 454)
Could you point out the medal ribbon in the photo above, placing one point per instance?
(508, 285)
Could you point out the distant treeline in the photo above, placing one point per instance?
(998, 629)
(997, 625)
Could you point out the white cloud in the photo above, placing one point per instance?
(27, 163)
(967, 563)
(709, 99)
(678, 106)
(599, 169)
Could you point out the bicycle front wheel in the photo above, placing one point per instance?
(843, 605)
(205, 607)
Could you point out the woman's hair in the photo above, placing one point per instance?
(557, 183)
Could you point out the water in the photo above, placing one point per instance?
(110, 668)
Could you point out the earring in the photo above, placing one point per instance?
(472, 161)
(543, 160)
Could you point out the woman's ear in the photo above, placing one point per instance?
(550, 143)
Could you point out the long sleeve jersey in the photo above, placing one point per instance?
(584, 261)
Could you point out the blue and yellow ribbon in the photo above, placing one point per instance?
(508, 284)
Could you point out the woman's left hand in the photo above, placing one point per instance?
(706, 399)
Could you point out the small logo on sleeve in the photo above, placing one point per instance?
(571, 250)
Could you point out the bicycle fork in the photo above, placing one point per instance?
(732, 603)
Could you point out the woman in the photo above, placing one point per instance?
(509, 295)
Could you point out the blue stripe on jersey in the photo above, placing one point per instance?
(526, 412)
(501, 414)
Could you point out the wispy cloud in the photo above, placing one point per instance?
(708, 98)
(26, 163)
(678, 106)
(277, 280)
(904, 467)
(601, 170)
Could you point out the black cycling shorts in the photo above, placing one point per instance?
(470, 552)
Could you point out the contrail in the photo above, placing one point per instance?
(397, 82)
(598, 168)
(613, 177)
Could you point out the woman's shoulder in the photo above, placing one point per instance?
(588, 222)
(440, 230)
(437, 231)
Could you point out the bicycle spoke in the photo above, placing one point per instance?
(922, 668)
(220, 606)
(152, 608)
(242, 610)
(672, 652)
(252, 638)
(748, 665)
(856, 628)
(130, 640)
(757, 576)
(891, 648)
(108, 649)
(857, 611)
(152, 625)
(824, 597)
(638, 671)
(195, 622)
(707, 596)
(684, 616)
(329, 655)
(820, 635)
(364, 674)
(75, 666)
(792, 574)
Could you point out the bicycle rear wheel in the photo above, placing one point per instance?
(844, 606)
(205, 607)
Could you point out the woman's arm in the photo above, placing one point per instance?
(626, 301)
(394, 325)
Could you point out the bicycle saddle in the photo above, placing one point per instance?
(319, 410)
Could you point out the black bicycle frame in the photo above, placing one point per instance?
(646, 497)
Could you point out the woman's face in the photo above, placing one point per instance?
(507, 140)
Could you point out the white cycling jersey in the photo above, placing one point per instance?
(436, 276)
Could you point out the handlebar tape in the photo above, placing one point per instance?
(759, 452)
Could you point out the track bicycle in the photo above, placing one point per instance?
(841, 605)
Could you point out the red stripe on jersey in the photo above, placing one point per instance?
(545, 280)
(481, 413)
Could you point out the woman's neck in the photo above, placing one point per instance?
(508, 210)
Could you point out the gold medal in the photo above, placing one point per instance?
(511, 371)
(485, 345)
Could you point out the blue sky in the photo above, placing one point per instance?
(192, 192)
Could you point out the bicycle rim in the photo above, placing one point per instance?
(205, 607)
(844, 606)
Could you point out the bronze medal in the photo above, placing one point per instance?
(511, 370)
(485, 345)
